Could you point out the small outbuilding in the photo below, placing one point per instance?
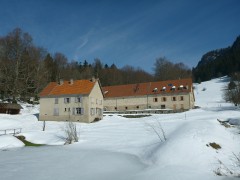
(10, 108)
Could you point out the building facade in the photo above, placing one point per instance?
(79, 101)
(173, 95)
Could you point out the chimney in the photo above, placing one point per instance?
(71, 81)
(93, 79)
(60, 82)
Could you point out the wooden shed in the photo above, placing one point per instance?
(10, 108)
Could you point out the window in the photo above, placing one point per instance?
(164, 99)
(66, 100)
(155, 90)
(77, 111)
(92, 111)
(163, 106)
(99, 111)
(174, 98)
(56, 112)
(180, 87)
(155, 99)
(78, 99)
(115, 108)
(126, 108)
(56, 100)
(137, 107)
(65, 109)
(181, 98)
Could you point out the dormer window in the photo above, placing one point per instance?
(163, 88)
(173, 88)
(155, 90)
(180, 87)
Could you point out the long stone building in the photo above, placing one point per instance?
(173, 95)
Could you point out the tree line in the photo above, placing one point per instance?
(25, 69)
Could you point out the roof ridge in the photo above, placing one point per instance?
(150, 82)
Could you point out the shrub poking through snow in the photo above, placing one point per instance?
(158, 130)
(230, 170)
(71, 133)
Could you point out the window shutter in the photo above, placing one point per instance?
(56, 112)
(76, 99)
(82, 110)
(73, 111)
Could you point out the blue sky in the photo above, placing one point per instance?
(125, 32)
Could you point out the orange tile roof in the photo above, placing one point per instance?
(78, 87)
(140, 89)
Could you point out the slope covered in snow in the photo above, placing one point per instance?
(127, 148)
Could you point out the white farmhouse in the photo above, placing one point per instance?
(79, 100)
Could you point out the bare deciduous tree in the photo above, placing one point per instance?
(71, 133)
(166, 70)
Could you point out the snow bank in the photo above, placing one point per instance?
(43, 137)
(9, 141)
(62, 163)
(234, 121)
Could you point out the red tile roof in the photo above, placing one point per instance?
(140, 89)
(77, 87)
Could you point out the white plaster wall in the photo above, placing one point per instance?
(145, 102)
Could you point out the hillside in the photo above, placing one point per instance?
(122, 148)
(218, 63)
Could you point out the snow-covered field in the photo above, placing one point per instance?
(119, 148)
